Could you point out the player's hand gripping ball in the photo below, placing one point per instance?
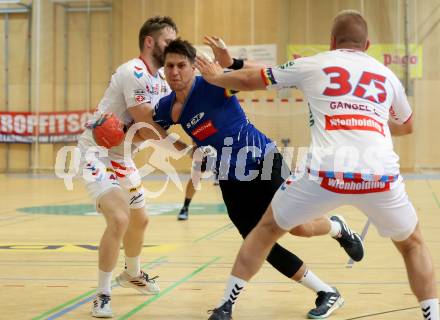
(108, 131)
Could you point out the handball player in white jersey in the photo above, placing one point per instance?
(114, 181)
(356, 104)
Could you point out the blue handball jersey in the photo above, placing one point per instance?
(212, 117)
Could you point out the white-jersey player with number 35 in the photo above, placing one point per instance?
(114, 181)
(356, 104)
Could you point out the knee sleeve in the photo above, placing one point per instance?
(136, 197)
(284, 261)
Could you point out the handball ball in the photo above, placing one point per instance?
(108, 131)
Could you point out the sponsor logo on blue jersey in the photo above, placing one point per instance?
(195, 120)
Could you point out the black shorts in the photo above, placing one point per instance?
(246, 201)
(203, 166)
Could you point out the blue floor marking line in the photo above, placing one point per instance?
(72, 307)
(88, 299)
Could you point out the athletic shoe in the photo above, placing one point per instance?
(183, 214)
(349, 240)
(326, 303)
(142, 283)
(224, 312)
(101, 307)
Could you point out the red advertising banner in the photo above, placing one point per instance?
(47, 127)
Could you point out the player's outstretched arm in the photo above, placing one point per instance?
(241, 80)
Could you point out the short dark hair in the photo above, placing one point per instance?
(153, 25)
(183, 48)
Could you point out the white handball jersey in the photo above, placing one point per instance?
(132, 84)
(351, 96)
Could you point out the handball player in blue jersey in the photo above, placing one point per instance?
(247, 162)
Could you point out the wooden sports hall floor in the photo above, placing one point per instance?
(48, 239)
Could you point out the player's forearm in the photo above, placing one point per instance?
(156, 137)
(180, 145)
(399, 129)
(138, 138)
(249, 64)
(238, 64)
(146, 134)
(241, 80)
(154, 133)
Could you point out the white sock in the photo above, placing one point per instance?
(311, 281)
(133, 266)
(233, 289)
(335, 229)
(430, 309)
(105, 282)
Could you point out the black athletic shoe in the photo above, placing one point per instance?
(224, 312)
(326, 303)
(183, 214)
(349, 240)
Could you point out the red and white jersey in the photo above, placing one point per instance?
(351, 96)
(132, 84)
